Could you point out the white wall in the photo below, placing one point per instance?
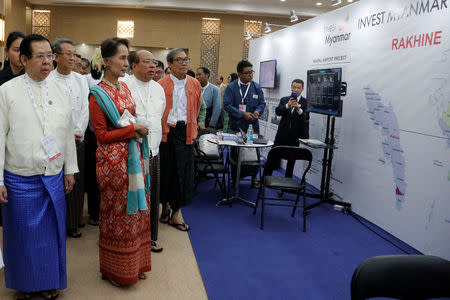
(394, 136)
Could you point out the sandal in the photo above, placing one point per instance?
(180, 226)
(92, 222)
(22, 295)
(155, 247)
(142, 276)
(111, 281)
(54, 293)
(165, 217)
(49, 294)
(74, 234)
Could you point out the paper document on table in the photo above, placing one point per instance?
(226, 137)
(313, 143)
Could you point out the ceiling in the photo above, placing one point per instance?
(251, 7)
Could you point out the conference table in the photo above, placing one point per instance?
(239, 146)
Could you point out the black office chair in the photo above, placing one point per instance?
(286, 184)
(401, 277)
(210, 164)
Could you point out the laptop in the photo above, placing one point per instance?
(243, 137)
(261, 141)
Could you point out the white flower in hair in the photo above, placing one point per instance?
(97, 59)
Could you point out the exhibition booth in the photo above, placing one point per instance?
(392, 127)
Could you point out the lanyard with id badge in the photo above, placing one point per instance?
(242, 106)
(141, 99)
(48, 141)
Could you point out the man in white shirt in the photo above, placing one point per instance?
(37, 163)
(78, 90)
(150, 104)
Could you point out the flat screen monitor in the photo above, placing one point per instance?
(267, 73)
(324, 91)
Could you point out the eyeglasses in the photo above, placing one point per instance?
(42, 57)
(159, 72)
(148, 62)
(68, 54)
(182, 60)
(249, 72)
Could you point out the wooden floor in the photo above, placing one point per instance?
(175, 273)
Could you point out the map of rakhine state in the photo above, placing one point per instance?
(384, 117)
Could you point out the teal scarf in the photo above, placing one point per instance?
(136, 199)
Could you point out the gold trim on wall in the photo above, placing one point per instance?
(210, 45)
(125, 29)
(2, 30)
(41, 22)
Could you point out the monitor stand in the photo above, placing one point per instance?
(325, 195)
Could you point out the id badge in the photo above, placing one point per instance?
(255, 96)
(242, 107)
(50, 147)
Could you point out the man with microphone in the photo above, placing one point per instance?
(294, 123)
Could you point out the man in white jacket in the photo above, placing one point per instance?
(78, 90)
(150, 104)
(37, 162)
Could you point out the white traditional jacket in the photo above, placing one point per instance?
(150, 104)
(23, 125)
(78, 89)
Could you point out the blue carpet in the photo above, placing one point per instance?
(239, 261)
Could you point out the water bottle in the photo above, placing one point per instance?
(250, 135)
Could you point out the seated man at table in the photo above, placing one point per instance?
(244, 102)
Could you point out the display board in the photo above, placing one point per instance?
(267, 73)
(324, 91)
(393, 158)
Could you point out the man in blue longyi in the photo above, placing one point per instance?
(37, 162)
